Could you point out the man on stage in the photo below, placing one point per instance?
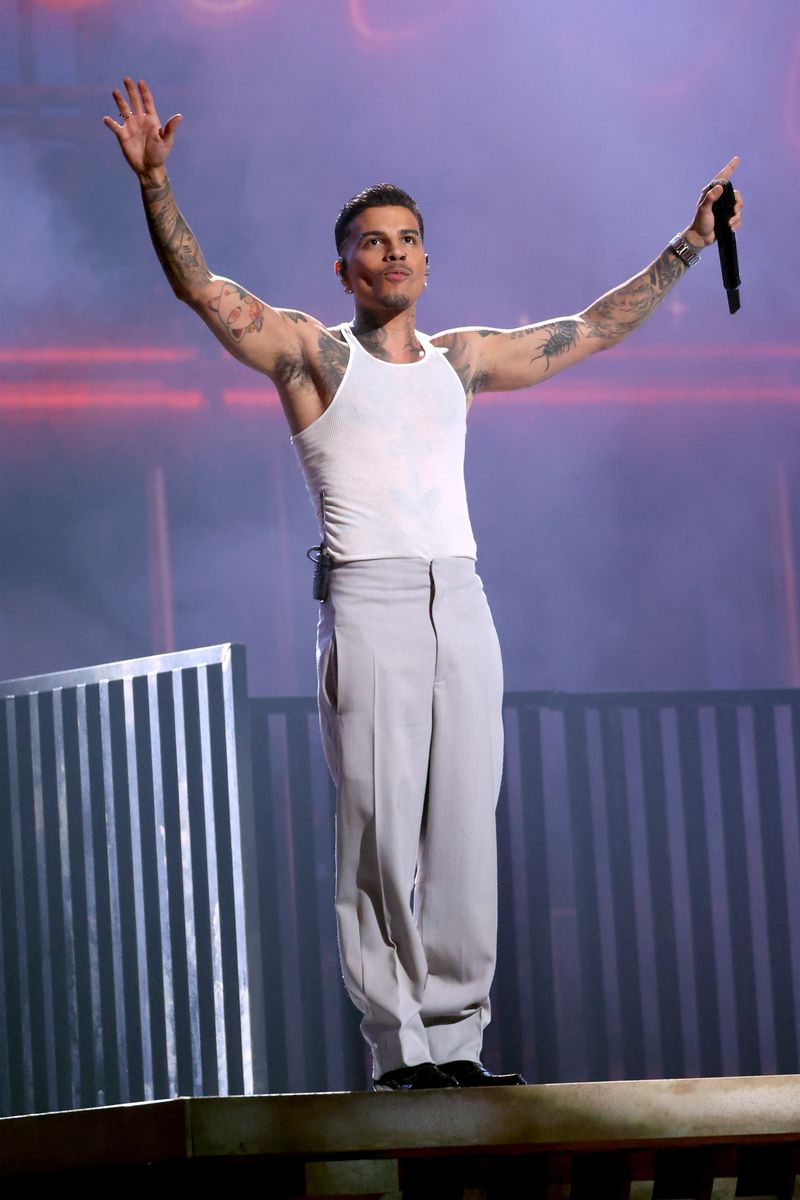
(409, 672)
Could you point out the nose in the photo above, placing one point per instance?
(396, 252)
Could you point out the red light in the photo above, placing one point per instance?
(69, 5)
(95, 354)
(717, 393)
(27, 397)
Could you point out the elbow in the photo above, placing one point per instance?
(598, 336)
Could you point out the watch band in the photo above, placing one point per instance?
(684, 250)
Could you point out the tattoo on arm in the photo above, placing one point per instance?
(174, 242)
(237, 311)
(624, 309)
(561, 337)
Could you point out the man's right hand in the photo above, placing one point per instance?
(142, 139)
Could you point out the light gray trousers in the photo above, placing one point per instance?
(410, 688)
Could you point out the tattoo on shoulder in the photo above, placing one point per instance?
(292, 315)
(460, 359)
(488, 332)
(239, 313)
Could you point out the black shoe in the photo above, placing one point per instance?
(473, 1074)
(412, 1079)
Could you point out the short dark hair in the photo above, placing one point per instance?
(380, 195)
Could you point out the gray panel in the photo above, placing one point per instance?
(125, 800)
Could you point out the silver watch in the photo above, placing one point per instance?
(684, 250)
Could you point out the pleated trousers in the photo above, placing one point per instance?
(410, 687)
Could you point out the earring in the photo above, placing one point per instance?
(348, 291)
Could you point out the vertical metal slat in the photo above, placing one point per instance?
(538, 878)
(729, 769)
(778, 937)
(661, 892)
(696, 836)
(624, 906)
(586, 894)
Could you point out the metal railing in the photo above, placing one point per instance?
(126, 851)
(167, 921)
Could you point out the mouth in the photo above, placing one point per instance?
(396, 274)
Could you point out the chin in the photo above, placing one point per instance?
(397, 301)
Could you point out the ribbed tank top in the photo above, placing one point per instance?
(384, 463)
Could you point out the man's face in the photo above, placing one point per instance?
(384, 258)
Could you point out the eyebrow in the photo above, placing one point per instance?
(382, 233)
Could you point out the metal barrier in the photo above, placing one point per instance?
(167, 924)
(126, 861)
(649, 890)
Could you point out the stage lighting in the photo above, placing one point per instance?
(415, 19)
(69, 5)
(221, 5)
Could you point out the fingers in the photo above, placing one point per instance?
(147, 98)
(736, 219)
(121, 103)
(711, 192)
(134, 98)
(168, 132)
(729, 168)
(113, 126)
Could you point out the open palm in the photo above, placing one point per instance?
(143, 140)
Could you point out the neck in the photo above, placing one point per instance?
(391, 336)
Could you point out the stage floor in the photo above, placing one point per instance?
(643, 1138)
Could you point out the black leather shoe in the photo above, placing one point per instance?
(474, 1074)
(412, 1079)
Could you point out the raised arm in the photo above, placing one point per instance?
(504, 359)
(268, 339)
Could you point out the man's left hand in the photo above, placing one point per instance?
(701, 231)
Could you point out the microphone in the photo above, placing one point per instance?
(726, 241)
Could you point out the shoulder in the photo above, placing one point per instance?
(463, 348)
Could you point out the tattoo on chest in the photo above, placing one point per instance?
(332, 359)
(373, 342)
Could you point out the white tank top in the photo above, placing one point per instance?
(384, 464)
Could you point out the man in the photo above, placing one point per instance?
(409, 670)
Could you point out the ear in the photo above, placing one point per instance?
(427, 265)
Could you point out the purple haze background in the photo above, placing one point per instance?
(637, 518)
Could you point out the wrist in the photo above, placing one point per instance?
(683, 250)
(695, 240)
(155, 177)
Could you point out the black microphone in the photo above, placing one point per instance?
(726, 241)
